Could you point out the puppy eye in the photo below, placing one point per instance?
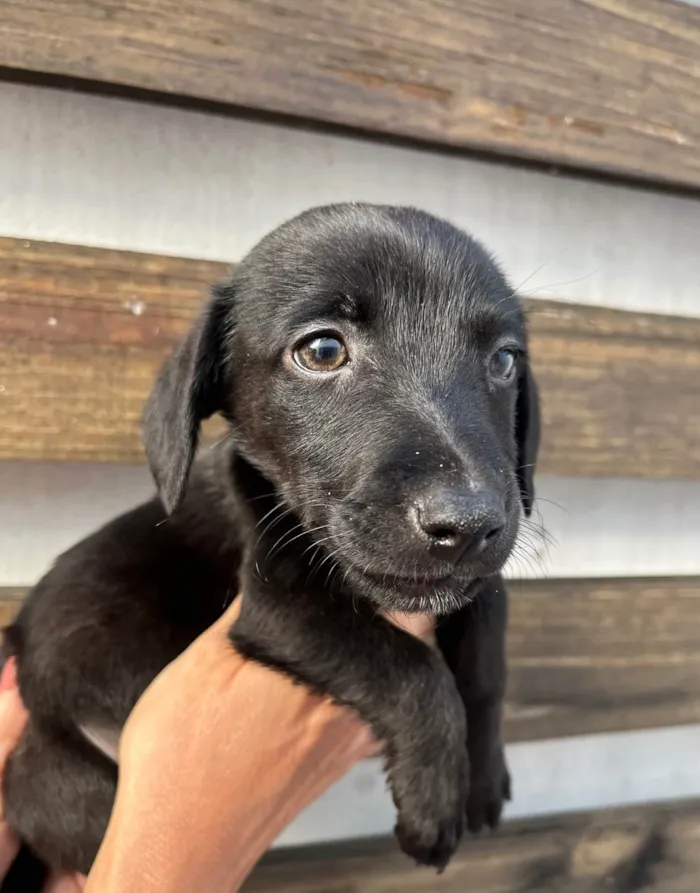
(322, 353)
(502, 365)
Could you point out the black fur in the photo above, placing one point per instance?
(395, 482)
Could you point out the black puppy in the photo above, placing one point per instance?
(372, 364)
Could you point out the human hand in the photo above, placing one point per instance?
(13, 718)
(220, 752)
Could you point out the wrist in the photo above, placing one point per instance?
(211, 832)
(139, 856)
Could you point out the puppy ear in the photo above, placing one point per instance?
(527, 436)
(189, 389)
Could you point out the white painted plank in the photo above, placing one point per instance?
(122, 174)
(602, 528)
(564, 775)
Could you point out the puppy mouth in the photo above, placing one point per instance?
(407, 581)
(421, 593)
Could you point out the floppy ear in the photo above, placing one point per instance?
(189, 389)
(527, 436)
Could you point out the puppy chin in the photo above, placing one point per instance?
(425, 597)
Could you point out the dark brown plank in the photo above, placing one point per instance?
(606, 84)
(590, 656)
(83, 331)
(647, 848)
(10, 600)
(620, 391)
(82, 334)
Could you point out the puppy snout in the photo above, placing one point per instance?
(457, 523)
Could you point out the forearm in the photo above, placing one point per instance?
(154, 846)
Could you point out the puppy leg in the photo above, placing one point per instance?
(58, 797)
(396, 683)
(473, 644)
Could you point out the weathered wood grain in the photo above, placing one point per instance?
(83, 331)
(606, 84)
(647, 848)
(589, 656)
(82, 334)
(620, 391)
(10, 601)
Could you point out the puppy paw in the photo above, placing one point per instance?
(430, 843)
(431, 816)
(488, 791)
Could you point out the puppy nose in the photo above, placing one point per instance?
(459, 522)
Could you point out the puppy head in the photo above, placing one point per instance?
(373, 363)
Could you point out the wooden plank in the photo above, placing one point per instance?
(83, 331)
(606, 84)
(620, 391)
(589, 656)
(10, 600)
(646, 848)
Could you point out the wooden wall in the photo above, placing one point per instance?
(146, 147)
(608, 86)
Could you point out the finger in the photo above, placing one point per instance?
(8, 678)
(65, 883)
(419, 625)
(9, 847)
(13, 719)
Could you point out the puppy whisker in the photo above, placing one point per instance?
(549, 502)
(282, 544)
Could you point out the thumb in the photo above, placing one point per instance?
(13, 714)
